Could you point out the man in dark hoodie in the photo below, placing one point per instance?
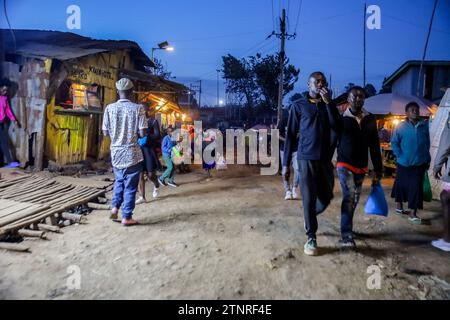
(313, 128)
(359, 135)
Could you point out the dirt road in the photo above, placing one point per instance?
(231, 237)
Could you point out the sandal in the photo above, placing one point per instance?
(114, 214)
(129, 222)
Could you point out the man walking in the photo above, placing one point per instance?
(124, 121)
(313, 127)
(359, 135)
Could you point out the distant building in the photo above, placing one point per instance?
(435, 78)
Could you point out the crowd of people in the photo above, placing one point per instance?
(311, 132)
(315, 129)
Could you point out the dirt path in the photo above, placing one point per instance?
(233, 237)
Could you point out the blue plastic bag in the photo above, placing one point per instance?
(376, 203)
(142, 141)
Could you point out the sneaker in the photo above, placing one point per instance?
(347, 243)
(162, 182)
(441, 244)
(310, 248)
(155, 193)
(13, 165)
(172, 184)
(140, 200)
(288, 195)
(295, 195)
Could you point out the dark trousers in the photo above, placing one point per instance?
(4, 144)
(317, 182)
(445, 200)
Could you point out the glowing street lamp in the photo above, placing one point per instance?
(161, 46)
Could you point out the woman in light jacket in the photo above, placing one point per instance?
(411, 145)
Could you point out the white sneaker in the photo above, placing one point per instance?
(140, 200)
(295, 195)
(441, 244)
(155, 193)
(288, 195)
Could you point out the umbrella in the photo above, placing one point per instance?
(391, 103)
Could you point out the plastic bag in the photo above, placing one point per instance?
(376, 203)
(176, 151)
(427, 193)
(142, 141)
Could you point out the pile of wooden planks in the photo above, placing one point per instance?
(28, 201)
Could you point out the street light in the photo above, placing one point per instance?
(161, 46)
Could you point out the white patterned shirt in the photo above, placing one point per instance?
(123, 120)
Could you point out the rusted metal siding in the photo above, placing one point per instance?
(28, 102)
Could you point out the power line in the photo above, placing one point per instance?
(287, 17)
(253, 48)
(9, 25)
(298, 16)
(425, 48)
(235, 35)
(414, 24)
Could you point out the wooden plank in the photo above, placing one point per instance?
(19, 206)
(47, 227)
(7, 183)
(28, 185)
(42, 215)
(18, 194)
(14, 247)
(32, 234)
(84, 182)
(22, 214)
(6, 204)
(46, 192)
(57, 195)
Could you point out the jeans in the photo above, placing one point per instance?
(294, 164)
(351, 184)
(170, 171)
(317, 182)
(125, 187)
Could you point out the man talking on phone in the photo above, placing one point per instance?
(313, 129)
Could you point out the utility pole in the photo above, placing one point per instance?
(218, 87)
(364, 46)
(283, 36)
(281, 62)
(198, 88)
(425, 51)
(200, 94)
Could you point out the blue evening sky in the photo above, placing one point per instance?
(329, 33)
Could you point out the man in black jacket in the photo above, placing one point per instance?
(313, 128)
(359, 135)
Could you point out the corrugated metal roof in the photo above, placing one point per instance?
(66, 45)
(397, 73)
